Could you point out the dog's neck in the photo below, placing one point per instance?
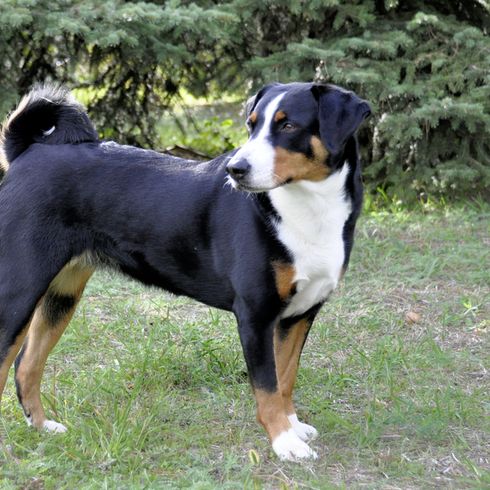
(310, 210)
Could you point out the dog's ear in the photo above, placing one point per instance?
(340, 113)
(249, 105)
(253, 101)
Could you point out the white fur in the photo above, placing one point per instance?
(55, 427)
(49, 131)
(49, 426)
(259, 153)
(288, 446)
(313, 215)
(304, 431)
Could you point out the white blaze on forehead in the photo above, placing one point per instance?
(269, 113)
(259, 152)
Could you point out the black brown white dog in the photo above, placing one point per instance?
(264, 231)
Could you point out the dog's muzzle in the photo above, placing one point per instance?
(238, 170)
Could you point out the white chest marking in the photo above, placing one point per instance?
(313, 215)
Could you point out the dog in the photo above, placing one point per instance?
(264, 231)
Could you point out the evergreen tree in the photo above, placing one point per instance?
(132, 58)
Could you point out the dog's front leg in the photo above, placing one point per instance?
(257, 338)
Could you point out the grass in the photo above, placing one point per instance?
(394, 376)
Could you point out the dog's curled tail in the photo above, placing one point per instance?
(48, 114)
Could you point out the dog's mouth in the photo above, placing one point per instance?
(257, 190)
(246, 187)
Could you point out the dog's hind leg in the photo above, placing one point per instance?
(8, 356)
(15, 315)
(50, 319)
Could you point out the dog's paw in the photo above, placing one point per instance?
(54, 427)
(304, 431)
(289, 447)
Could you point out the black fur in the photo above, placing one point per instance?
(340, 114)
(46, 107)
(57, 306)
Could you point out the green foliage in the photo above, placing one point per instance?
(133, 56)
(203, 129)
(424, 66)
(215, 136)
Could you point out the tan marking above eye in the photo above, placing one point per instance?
(279, 116)
(294, 166)
(253, 117)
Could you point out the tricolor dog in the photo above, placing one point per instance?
(264, 231)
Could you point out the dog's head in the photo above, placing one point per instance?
(297, 131)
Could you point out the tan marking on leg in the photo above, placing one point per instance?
(279, 116)
(284, 274)
(41, 339)
(271, 413)
(342, 272)
(9, 359)
(294, 166)
(71, 280)
(287, 352)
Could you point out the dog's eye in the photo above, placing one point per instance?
(250, 124)
(288, 127)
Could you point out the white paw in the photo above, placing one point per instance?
(55, 427)
(288, 446)
(304, 431)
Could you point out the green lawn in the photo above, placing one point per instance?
(154, 392)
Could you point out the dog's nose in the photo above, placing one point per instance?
(239, 169)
